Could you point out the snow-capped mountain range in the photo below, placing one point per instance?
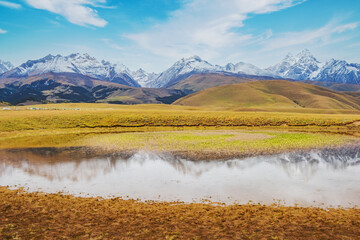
(5, 66)
(74, 63)
(299, 67)
(303, 66)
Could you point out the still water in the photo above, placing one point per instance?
(316, 178)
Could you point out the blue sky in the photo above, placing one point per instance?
(153, 34)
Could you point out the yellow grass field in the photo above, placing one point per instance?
(171, 128)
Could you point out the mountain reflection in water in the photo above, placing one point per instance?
(329, 176)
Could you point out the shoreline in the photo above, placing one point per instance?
(89, 151)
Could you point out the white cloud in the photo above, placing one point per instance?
(206, 27)
(304, 38)
(10, 4)
(2, 31)
(111, 44)
(79, 12)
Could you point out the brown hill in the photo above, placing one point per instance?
(200, 82)
(271, 94)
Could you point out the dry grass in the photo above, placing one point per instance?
(54, 216)
(109, 116)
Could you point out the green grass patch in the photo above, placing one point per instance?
(219, 142)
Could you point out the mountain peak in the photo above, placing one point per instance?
(5, 66)
(195, 57)
(140, 70)
(47, 57)
(289, 55)
(81, 56)
(305, 52)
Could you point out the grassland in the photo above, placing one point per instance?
(82, 116)
(171, 128)
(54, 216)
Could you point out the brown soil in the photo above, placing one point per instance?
(55, 216)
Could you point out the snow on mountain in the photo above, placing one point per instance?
(74, 63)
(5, 66)
(182, 69)
(248, 69)
(338, 71)
(305, 66)
(144, 78)
(298, 67)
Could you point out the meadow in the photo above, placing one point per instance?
(224, 132)
(82, 116)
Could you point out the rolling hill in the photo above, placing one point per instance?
(271, 94)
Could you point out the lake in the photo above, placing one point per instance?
(326, 178)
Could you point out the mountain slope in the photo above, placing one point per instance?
(338, 71)
(5, 66)
(271, 94)
(74, 63)
(73, 87)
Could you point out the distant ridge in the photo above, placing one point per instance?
(74, 87)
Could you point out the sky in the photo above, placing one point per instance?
(153, 34)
